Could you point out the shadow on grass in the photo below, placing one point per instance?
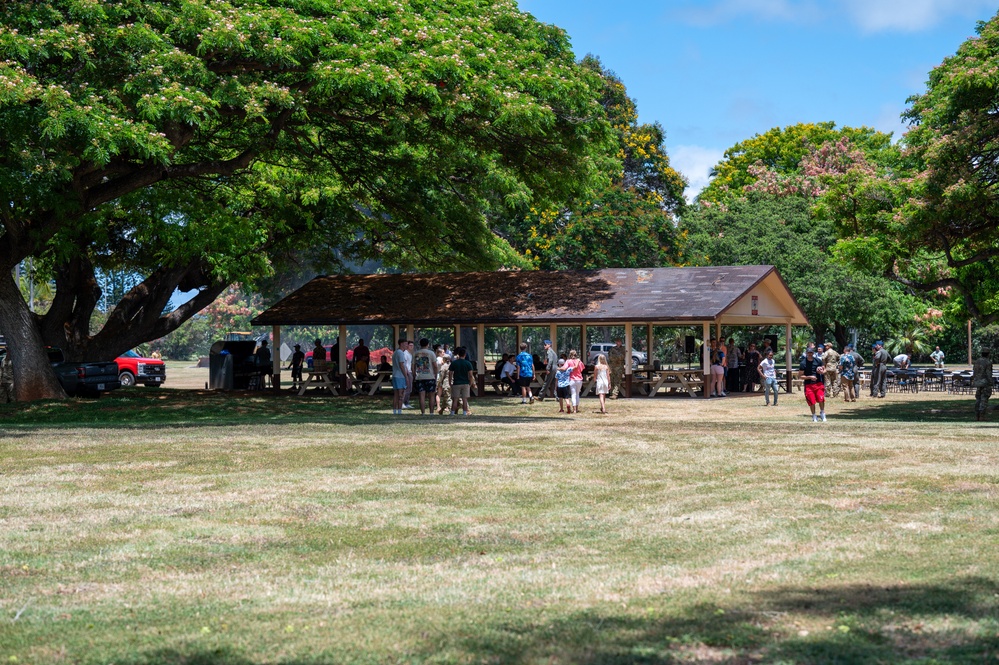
(922, 411)
(868, 625)
(185, 409)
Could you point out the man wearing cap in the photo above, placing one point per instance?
(297, 360)
(812, 368)
(879, 372)
(831, 359)
(551, 364)
(616, 358)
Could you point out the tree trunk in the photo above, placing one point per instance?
(33, 375)
(840, 333)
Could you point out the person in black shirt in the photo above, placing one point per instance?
(812, 368)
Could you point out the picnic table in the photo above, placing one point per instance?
(650, 381)
(321, 378)
(371, 383)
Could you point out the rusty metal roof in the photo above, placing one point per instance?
(592, 297)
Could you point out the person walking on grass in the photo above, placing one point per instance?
(562, 374)
(768, 376)
(812, 369)
(525, 374)
(575, 366)
(399, 380)
(460, 378)
(848, 374)
(602, 372)
(443, 383)
(830, 357)
(879, 374)
(297, 361)
(425, 375)
(551, 366)
(981, 380)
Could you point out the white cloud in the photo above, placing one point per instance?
(769, 10)
(695, 162)
(911, 15)
(869, 15)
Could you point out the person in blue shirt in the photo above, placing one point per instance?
(562, 374)
(525, 374)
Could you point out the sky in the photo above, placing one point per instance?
(716, 72)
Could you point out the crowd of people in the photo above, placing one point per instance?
(442, 378)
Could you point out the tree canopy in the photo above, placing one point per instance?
(627, 222)
(937, 226)
(199, 143)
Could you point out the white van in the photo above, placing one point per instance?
(637, 357)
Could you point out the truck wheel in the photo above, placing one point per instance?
(127, 379)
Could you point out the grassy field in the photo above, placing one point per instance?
(172, 526)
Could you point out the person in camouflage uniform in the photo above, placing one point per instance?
(831, 359)
(6, 379)
(443, 385)
(981, 380)
(616, 358)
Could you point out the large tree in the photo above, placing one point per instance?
(770, 229)
(627, 222)
(936, 229)
(199, 143)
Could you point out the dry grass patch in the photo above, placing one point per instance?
(172, 531)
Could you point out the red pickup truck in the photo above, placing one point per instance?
(133, 369)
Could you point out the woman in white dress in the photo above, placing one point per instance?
(602, 373)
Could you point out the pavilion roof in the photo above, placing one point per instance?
(592, 297)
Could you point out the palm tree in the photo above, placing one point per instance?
(912, 342)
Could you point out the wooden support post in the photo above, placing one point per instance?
(706, 358)
(650, 345)
(520, 338)
(584, 354)
(395, 336)
(410, 333)
(276, 358)
(480, 336)
(787, 357)
(342, 359)
(553, 336)
(627, 360)
(457, 338)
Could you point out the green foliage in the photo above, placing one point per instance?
(626, 223)
(199, 143)
(937, 231)
(782, 150)
(780, 231)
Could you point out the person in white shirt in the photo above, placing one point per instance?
(768, 372)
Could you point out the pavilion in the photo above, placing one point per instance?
(706, 296)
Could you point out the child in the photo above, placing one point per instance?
(562, 375)
(602, 371)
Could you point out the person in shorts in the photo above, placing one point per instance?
(425, 375)
(399, 380)
(812, 368)
(525, 374)
(460, 378)
(562, 375)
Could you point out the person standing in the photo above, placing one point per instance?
(525, 374)
(616, 358)
(318, 354)
(768, 373)
(551, 365)
(297, 360)
(879, 372)
(407, 350)
(938, 358)
(425, 375)
(443, 382)
(602, 371)
(830, 357)
(460, 378)
(399, 377)
(562, 374)
(812, 369)
(753, 359)
(717, 369)
(732, 383)
(362, 360)
(575, 366)
(848, 374)
(981, 380)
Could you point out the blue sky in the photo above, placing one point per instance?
(716, 72)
